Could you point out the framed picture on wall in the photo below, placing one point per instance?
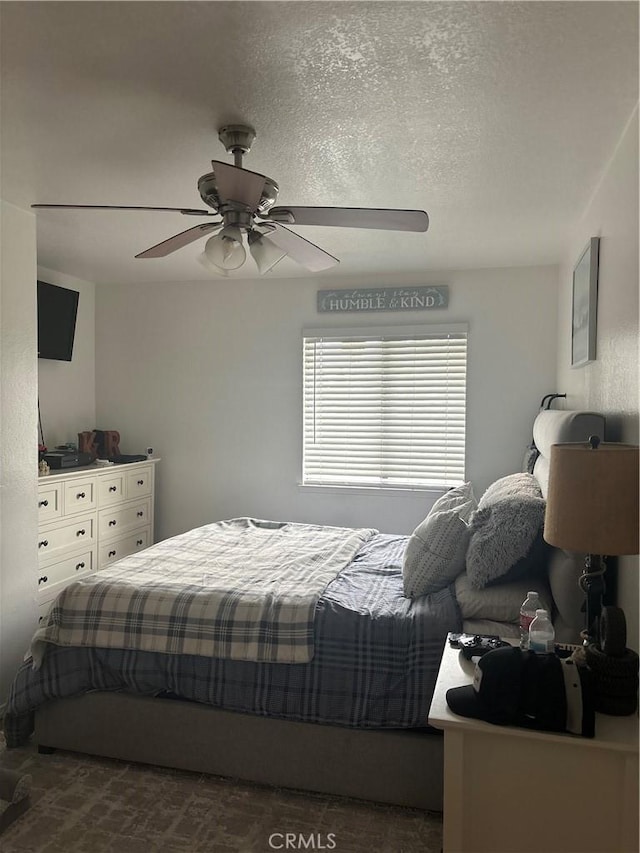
(585, 305)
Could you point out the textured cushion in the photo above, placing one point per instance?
(534, 563)
(435, 552)
(502, 602)
(504, 529)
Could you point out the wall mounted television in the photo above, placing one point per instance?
(57, 312)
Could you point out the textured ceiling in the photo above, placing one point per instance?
(496, 118)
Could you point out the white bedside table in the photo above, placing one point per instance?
(577, 795)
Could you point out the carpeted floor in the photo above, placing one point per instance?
(82, 804)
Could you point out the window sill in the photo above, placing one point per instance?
(374, 491)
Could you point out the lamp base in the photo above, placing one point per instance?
(592, 584)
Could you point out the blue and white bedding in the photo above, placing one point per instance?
(376, 660)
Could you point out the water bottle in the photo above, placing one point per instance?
(528, 610)
(541, 634)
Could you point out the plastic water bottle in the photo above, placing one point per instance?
(528, 610)
(541, 634)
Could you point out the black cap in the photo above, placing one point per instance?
(518, 688)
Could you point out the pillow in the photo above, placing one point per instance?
(535, 562)
(499, 603)
(436, 549)
(504, 529)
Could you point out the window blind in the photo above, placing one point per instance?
(385, 410)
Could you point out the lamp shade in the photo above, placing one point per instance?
(592, 499)
(225, 250)
(264, 252)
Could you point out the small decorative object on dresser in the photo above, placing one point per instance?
(88, 518)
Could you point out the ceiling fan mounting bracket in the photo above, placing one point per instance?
(237, 138)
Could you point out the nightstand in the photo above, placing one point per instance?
(569, 793)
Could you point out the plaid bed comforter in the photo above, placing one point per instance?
(376, 660)
(242, 589)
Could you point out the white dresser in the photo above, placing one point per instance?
(89, 517)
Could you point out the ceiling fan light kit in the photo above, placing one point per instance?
(245, 202)
(264, 251)
(225, 249)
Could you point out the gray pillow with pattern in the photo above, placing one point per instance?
(506, 532)
(436, 550)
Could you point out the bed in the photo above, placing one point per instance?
(335, 701)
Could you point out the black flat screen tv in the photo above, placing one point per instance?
(57, 312)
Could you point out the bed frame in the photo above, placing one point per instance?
(403, 767)
(389, 766)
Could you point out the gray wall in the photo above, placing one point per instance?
(210, 375)
(18, 439)
(610, 384)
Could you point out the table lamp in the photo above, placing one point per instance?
(592, 508)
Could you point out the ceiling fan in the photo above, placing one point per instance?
(245, 202)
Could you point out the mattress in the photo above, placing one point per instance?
(376, 660)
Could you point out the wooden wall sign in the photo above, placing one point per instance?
(383, 299)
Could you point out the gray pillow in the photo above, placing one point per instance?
(436, 549)
(499, 603)
(504, 531)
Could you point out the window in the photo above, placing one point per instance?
(385, 408)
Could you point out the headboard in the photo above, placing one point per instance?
(557, 427)
(552, 427)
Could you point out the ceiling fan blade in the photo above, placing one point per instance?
(236, 184)
(352, 217)
(300, 250)
(188, 211)
(160, 250)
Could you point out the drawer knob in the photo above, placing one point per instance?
(80, 495)
(43, 503)
(113, 488)
(112, 523)
(141, 482)
(139, 541)
(43, 579)
(112, 553)
(79, 566)
(80, 532)
(43, 543)
(140, 514)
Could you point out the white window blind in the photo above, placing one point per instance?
(385, 409)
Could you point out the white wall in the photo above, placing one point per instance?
(209, 374)
(67, 388)
(610, 384)
(18, 439)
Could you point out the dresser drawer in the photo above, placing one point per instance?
(76, 533)
(139, 483)
(55, 576)
(111, 522)
(43, 610)
(79, 496)
(111, 490)
(114, 550)
(49, 502)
